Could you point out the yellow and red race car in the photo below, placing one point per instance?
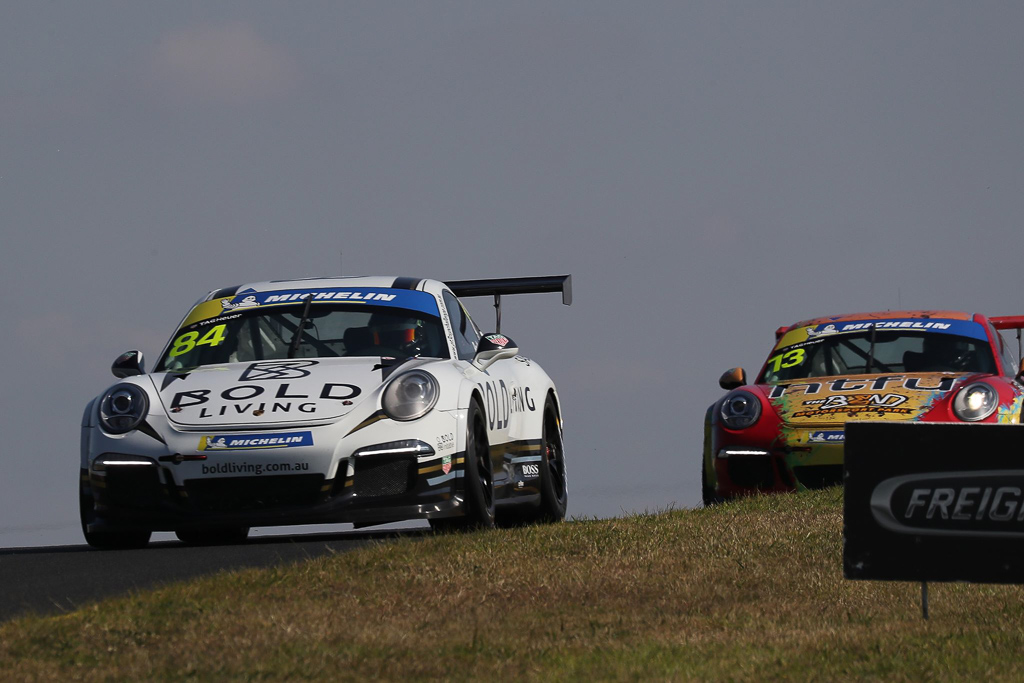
(786, 431)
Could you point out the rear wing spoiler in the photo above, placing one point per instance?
(513, 285)
(1011, 322)
(1007, 322)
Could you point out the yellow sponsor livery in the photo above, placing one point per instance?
(833, 401)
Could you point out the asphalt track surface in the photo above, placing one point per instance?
(58, 579)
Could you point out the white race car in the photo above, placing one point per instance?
(365, 400)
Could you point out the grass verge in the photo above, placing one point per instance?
(752, 590)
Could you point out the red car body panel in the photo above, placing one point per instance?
(797, 442)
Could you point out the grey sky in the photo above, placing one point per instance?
(706, 171)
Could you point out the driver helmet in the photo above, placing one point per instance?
(402, 335)
(945, 350)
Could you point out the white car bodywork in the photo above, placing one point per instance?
(211, 432)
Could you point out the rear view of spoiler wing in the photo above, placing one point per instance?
(513, 285)
(1007, 322)
(1011, 322)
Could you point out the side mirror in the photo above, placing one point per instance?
(493, 347)
(730, 379)
(128, 364)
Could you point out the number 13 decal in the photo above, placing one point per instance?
(787, 360)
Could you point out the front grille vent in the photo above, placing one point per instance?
(229, 494)
(132, 487)
(819, 476)
(751, 471)
(379, 477)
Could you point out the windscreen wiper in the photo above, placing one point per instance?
(294, 348)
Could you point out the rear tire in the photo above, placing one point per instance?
(106, 540)
(477, 483)
(554, 484)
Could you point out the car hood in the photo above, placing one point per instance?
(268, 393)
(829, 401)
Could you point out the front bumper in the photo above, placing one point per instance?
(332, 474)
(390, 489)
(790, 464)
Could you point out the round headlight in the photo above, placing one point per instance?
(411, 395)
(740, 409)
(975, 402)
(123, 408)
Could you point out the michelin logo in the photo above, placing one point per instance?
(826, 437)
(828, 329)
(249, 299)
(897, 324)
(245, 442)
(247, 302)
(269, 298)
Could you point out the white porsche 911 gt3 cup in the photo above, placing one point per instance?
(364, 400)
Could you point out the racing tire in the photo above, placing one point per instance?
(554, 486)
(552, 482)
(708, 495)
(215, 536)
(106, 540)
(477, 482)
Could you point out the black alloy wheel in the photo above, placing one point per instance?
(477, 483)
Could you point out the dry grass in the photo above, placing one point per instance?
(746, 591)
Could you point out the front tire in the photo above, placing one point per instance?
(477, 483)
(106, 540)
(707, 491)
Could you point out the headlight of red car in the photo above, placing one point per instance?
(740, 409)
(975, 402)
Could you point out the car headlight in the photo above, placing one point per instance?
(740, 409)
(123, 408)
(411, 395)
(975, 402)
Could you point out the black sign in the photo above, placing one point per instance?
(934, 502)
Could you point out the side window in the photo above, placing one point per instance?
(1008, 350)
(466, 335)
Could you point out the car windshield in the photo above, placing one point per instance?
(878, 351)
(329, 330)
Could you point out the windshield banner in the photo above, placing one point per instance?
(248, 300)
(962, 328)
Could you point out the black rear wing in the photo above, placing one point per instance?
(513, 285)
